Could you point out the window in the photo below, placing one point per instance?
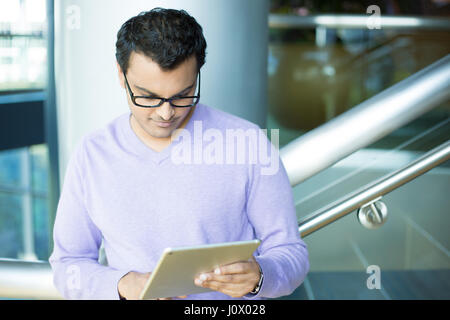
(24, 165)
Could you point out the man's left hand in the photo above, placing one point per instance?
(235, 279)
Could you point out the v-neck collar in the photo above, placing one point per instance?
(147, 152)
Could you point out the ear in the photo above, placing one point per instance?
(120, 74)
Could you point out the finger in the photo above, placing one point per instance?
(233, 290)
(234, 268)
(171, 298)
(232, 278)
(226, 278)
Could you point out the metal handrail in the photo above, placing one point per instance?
(288, 21)
(368, 122)
(374, 190)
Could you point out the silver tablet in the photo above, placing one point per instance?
(177, 268)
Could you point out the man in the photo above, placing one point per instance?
(123, 187)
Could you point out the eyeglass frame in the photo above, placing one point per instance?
(162, 100)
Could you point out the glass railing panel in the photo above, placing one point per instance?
(373, 162)
(411, 249)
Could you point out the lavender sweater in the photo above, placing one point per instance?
(139, 201)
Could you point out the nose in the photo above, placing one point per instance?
(165, 111)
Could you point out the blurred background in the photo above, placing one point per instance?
(273, 62)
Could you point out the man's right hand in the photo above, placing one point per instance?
(131, 285)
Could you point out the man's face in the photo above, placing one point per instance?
(145, 77)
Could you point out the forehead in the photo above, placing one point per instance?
(143, 68)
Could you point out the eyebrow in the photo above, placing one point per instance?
(154, 94)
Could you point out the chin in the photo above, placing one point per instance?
(160, 132)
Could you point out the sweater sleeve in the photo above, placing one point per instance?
(282, 254)
(77, 274)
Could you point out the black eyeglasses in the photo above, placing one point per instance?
(154, 101)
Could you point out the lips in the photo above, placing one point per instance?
(164, 124)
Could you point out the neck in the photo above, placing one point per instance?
(158, 143)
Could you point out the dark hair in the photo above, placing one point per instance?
(167, 36)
